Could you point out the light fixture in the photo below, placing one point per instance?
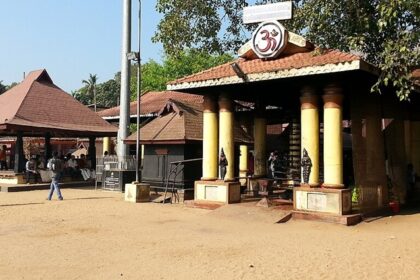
(239, 72)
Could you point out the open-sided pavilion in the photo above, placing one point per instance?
(36, 107)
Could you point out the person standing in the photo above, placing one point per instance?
(273, 163)
(31, 169)
(3, 155)
(56, 166)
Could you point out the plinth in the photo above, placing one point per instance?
(322, 200)
(217, 191)
(137, 192)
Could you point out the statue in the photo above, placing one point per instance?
(222, 164)
(306, 164)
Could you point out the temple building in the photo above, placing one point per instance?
(324, 96)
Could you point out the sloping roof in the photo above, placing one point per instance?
(298, 64)
(37, 105)
(151, 102)
(179, 122)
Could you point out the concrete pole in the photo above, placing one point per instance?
(19, 156)
(106, 147)
(123, 130)
(92, 151)
(260, 136)
(243, 163)
(333, 139)
(310, 132)
(210, 139)
(226, 141)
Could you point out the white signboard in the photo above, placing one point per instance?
(260, 13)
(269, 39)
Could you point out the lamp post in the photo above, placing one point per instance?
(136, 191)
(135, 56)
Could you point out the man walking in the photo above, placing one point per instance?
(56, 166)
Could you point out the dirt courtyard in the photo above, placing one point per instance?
(96, 235)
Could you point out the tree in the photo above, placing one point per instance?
(81, 95)
(196, 24)
(12, 85)
(3, 87)
(91, 88)
(107, 93)
(384, 32)
(154, 76)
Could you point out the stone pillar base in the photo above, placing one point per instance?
(333, 201)
(217, 191)
(137, 192)
(333, 186)
(310, 185)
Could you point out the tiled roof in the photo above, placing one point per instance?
(151, 102)
(255, 69)
(180, 122)
(36, 104)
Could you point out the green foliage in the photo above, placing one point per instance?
(384, 32)
(196, 24)
(90, 86)
(107, 93)
(355, 194)
(12, 85)
(155, 76)
(3, 87)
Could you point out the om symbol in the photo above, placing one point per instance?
(271, 41)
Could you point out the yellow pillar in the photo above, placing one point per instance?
(243, 163)
(333, 139)
(106, 147)
(226, 141)
(260, 132)
(310, 132)
(210, 151)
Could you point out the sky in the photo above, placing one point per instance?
(70, 38)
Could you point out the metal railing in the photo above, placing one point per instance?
(175, 168)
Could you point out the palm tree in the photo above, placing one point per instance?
(91, 87)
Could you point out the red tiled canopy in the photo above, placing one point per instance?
(36, 106)
(151, 102)
(298, 64)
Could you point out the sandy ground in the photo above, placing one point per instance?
(96, 235)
